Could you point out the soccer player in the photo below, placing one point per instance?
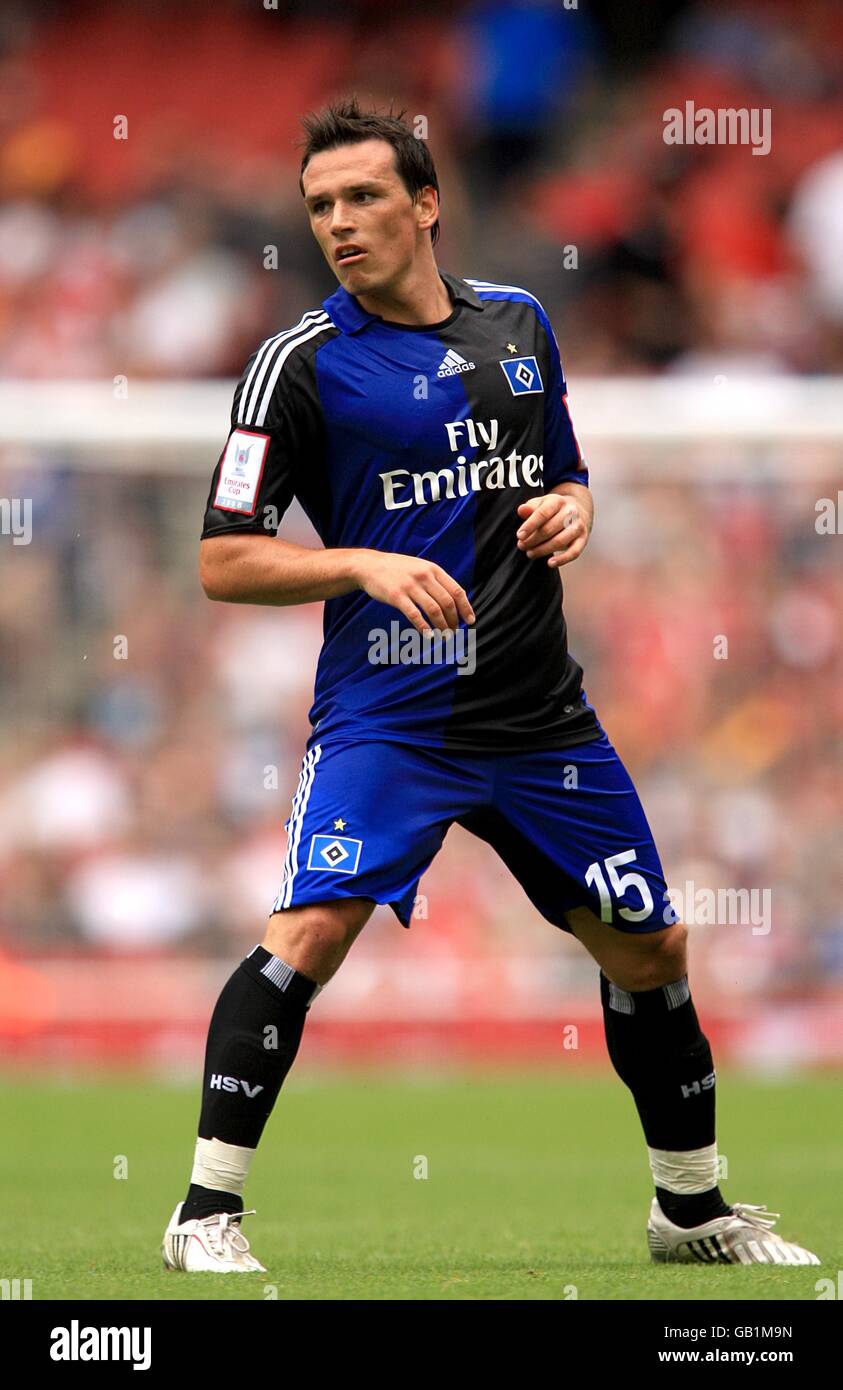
(422, 422)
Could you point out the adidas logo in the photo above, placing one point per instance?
(452, 363)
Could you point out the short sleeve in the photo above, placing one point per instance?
(254, 480)
(563, 457)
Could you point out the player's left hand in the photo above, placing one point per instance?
(552, 526)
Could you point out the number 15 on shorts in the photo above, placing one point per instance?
(619, 884)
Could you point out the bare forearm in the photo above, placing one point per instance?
(263, 570)
(259, 569)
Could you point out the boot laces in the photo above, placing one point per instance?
(224, 1235)
(755, 1216)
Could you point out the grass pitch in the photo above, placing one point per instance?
(537, 1187)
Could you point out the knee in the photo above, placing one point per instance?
(658, 959)
(317, 938)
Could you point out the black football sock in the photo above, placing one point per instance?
(253, 1039)
(660, 1052)
(692, 1208)
(208, 1201)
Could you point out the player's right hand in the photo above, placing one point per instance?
(424, 592)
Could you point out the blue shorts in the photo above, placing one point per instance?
(368, 818)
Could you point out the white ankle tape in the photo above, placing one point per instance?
(222, 1167)
(691, 1170)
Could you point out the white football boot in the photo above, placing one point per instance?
(215, 1244)
(744, 1238)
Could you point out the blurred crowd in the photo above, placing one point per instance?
(152, 224)
(152, 739)
(147, 760)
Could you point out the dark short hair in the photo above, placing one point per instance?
(343, 123)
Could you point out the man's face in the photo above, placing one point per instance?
(362, 215)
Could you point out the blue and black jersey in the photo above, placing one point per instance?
(421, 441)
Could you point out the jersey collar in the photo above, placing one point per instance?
(350, 316)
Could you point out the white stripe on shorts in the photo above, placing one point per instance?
(300, 800)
